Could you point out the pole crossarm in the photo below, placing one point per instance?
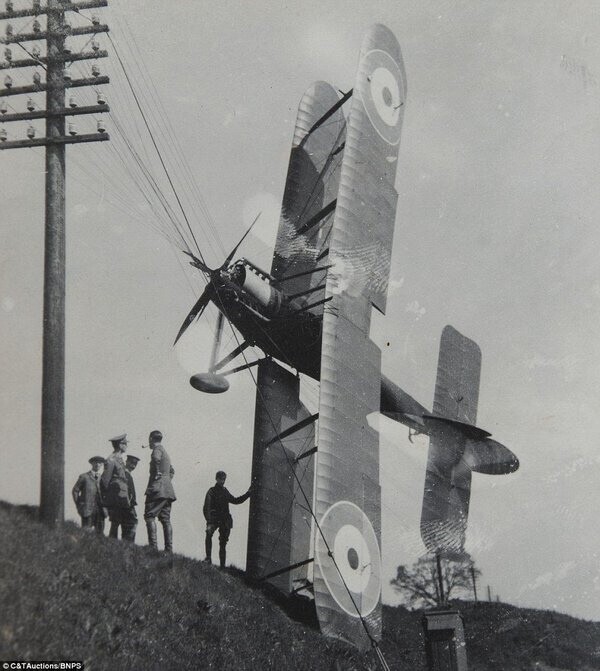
(42, 60)
(36, 88)
(67, 111)
(71, 32)
(66, 7)
(46, 141)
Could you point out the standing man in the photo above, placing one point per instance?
(114, 484)
(217, 515)
(130, 520)
(159, 493)
(126, 518)
(87, 497)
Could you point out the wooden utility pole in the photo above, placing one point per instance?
(52, 506)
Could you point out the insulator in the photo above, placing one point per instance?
(8, 81)
(95, 70)
(95, 19)
(8, 54)
(36, 51)
(72, 129)
(66, 49)
(30, 104)
(101, 99)
(3, 107)
(9, 29)
(31, 132)
(95, 45)
(37, 78)
(36, 26)
(67, 76)
(72, 102)
(9, 6)
(3, 135)
(37, 5)
(101, 127)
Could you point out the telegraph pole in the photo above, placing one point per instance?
(52, 507)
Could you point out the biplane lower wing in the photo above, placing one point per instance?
(279, 521)
(347, 567)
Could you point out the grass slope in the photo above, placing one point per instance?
(73, 595)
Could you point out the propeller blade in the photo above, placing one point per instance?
(198, 263)
(197, 310)
(234, 250)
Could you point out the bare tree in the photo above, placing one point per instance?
(419, 584)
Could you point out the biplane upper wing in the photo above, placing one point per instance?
(347, 570)
(310, 192)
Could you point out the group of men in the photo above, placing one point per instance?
(112, 494)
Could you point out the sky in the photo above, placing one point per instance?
(496, 234)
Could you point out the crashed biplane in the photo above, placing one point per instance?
(316, 476)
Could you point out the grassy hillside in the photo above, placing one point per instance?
(73, 595)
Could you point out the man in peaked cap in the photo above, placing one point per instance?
(87, 497)
(159, 493)
(126, 518)
(114, 484)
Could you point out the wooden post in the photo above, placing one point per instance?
(474, 582)
(439, 576)
(52, 500)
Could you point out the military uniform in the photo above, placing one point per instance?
(126, 518)
(88, 499)
(129, 519)
(217, 516)
(115, 486)
(159, 493)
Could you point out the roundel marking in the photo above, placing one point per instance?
(353, 574)
(382, 94)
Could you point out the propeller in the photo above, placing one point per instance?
(210, 291)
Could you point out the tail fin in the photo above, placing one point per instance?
(448, 478)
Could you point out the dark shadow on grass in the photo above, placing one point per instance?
(298, 608)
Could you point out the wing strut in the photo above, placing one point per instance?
(330, 112)
(230, 357)
(306, 272)
(306, 454)
(281, 571)
(288, 432)
(313, 221)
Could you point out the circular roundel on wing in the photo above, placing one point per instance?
(383, 94)
(353, 573)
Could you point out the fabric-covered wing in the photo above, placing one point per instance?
(347, 570)
(278, 527)
(448, 478)
(310, 192)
